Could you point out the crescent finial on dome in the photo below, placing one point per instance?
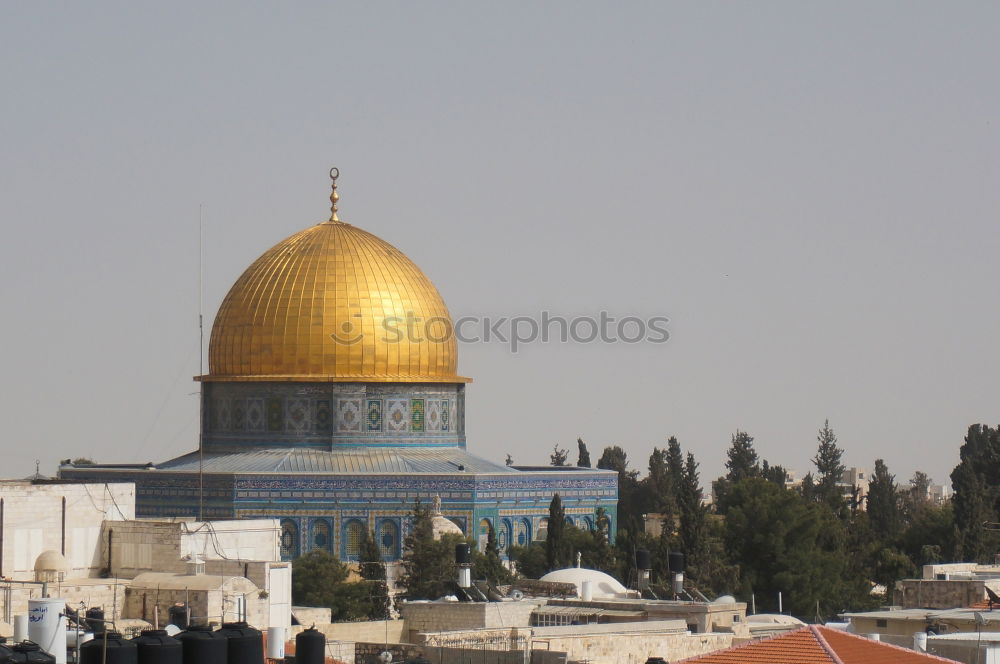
(334, 196)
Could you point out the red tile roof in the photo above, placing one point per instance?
(815, 644)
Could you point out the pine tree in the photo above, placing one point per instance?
(883, 503)
(675, 466)
(583, 454)
(487, 565)
(976, 491)
(373, 571)
(556, 549)
(694, 517)
(629, 510)
(659, 491)
(829, 468)
(429, 569)
(558, 456)
(741, 458)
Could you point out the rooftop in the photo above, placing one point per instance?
(815, 644)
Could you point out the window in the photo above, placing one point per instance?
(881, 622)
(289, 540)
(543, 530)
(503, 537)
(523, 534)
(321, 534)
(388, 540)
(354, 532)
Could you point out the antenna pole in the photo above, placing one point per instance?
(201, 372)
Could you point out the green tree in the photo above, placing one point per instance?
(315, 577)
(659, 493)
(582, 454)
(692, 534)
(372, 569)
(429, 569)
(558, 456)
(629, 490)
(776, 474)
(741, 458)
(557, 552)
(883, 503)
(829, 467)
(675, 465)
(487, 565)
(530, 560)
(975, 484)
(786, 544)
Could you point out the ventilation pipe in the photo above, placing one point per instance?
(463, 558)
(675, 562)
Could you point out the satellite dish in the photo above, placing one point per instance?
(980, 619)
(993, 597)
(385, 656)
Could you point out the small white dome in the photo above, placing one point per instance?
(51, 561)
(603, 586)
(444, 526)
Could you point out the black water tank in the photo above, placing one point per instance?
(155, 646)
(310, 647)
(246, 644)
(120, 650)
(676, 562)
(463, 554)
(642, 559)
(203, 645)
(95, 620)
(30, 653)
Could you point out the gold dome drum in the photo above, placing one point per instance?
(333, 303)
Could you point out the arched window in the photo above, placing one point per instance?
(354, 533)
(388, 540)
(523, 535)
(503, 537)
(484, 534)
(543, 529)
(289, 540)
(321, 535)
(586, 523)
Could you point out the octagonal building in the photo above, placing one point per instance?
(333, 402)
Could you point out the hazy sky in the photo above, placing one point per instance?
(808, 190)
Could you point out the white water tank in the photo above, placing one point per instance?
(20, 628)
(46, 626)
(920, 641)
(586, 590)
(276, 643)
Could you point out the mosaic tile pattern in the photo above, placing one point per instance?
(374, 418)
(432, 422)
(297, 416)
(275, 414)
(416, 414)
(255, 415)
(397, 414)
(324, 416)
(349, 415)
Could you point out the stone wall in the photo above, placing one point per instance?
(33, 522)
(160, 546)
(583, 643)
(457, 616)
(935, 594)
(372, 631)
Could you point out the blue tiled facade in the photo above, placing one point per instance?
(324, 437)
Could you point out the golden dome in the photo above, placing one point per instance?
(332, 303)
